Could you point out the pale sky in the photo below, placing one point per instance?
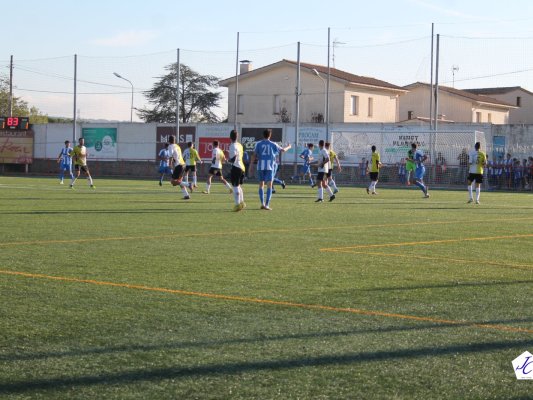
(483, 44)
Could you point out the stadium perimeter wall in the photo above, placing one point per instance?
(132, 147)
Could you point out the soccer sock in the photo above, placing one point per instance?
(478, 192)
(90, 179)
(262, 196)
(332, 182)
(320, 193)
(421, 186)
(194, 180)
(207, 187)
(228, 185)
(184, 189)
(330, 192)
(269, 196)
(311, 181)
(61, 175)
(470, 191)
(236, 194)
(241, 195)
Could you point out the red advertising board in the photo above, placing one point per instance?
(205, 146)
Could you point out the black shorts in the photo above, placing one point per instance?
(320, 176)
(330, 172)
(177, 175)
(236, 176)
(215, 171)
(83, 168)
(475, 177)
(190, 168)
(374, 176)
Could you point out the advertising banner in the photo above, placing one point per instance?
(205, 146)
(16, 147)
(101, 143)
(305, 135)
(186, 134)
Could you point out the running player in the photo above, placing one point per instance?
(164, 163)
(265, 152)
(305, 169)
(477, 160)
(191, 157)
(79, 155)
(322, 176)
(333, 158)
(419, 157)
(65, 162)
(410, 165)
(217, 159)
(179, 167)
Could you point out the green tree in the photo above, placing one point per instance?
(197, 97)
(20, 107)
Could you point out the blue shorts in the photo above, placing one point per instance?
(65, 167)
(305, 169)
(419, 172)
(165, 170)
(265, 175)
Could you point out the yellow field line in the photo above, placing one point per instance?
(416, 256)
(369, 246)
(254, 232)
(274, 302)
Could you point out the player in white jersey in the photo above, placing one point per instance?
(217, 159)
(236, 153)
(65, 162)
(322, 176)
(179, 167)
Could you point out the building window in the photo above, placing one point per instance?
(519, 101)
(489, 117)
(277, 106)
(354, 109)
(240, 104)
(410, 115)
(370, 107)
(478, 116)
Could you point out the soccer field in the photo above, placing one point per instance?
(128, 291)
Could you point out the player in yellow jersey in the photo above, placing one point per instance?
(79, 156)
(179, 167)
(373, 169)
(477, 161)
(333, 158)
(236, 152)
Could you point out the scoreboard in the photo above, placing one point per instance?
(15, 123)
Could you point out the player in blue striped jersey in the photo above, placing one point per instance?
(265, 153)
(419, 157)
(65, 162)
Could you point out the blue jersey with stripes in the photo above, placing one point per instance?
(66, 159)
(419, 159)
(266, 152)
(164, 155)
(307, 154)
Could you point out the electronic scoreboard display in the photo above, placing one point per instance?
(15, 123)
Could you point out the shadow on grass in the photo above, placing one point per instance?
(159, 374)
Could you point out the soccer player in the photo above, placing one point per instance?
(79, 155)
(419, 157)
(217, 158)
(478, 161)
(164, 165)
(333, 158)
(410, 165)
(305, 169)
(191, 157)
(265, 152)
(65, 162)
(275, 178)
(373, 169)
(236, 153)
(179, 167)
(322, 175)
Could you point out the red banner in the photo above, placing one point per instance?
(205, 146)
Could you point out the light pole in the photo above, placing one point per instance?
(325, 93)
(127, 80)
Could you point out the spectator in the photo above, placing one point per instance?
(402, 171)
(440, 162)
(463, 166)
(507, 170)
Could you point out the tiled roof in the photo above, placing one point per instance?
(497, 90)
(463, 93)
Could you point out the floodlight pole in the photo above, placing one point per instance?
(127, 80)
